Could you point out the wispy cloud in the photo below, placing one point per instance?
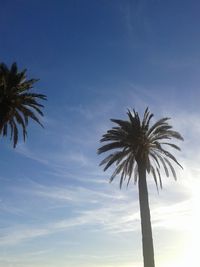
(25, 151)
(119, 216)
(103, 219)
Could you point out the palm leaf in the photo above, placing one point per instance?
(134, 141)
(18, 104)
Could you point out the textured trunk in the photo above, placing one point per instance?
(147, 240)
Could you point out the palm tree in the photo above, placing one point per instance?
(139, 149)
(17, 103)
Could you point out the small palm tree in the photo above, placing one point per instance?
(17, 103)
(139, 149)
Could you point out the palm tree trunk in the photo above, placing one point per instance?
(147, 239)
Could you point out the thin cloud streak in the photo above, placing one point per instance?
(114, 219)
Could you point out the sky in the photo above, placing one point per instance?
(94, 60)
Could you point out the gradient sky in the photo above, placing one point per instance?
(94, 60)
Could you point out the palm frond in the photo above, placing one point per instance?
(172, 145)
(163, 163)
(155, 177)
(135, 140)
(18, 104)
(160, 180)
(171, 167)
(110, 146)
(159, 123)
(169, 155)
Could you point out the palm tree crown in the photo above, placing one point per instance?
(135, 141)
(17, 104)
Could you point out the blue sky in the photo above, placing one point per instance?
(94, 60)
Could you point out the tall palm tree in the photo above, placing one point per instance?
(139, 148)
(17, 103)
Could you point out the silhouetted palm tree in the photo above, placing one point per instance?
(17, 103)
(139, 149)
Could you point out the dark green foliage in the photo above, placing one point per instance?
(17, 103)
(136, 140)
